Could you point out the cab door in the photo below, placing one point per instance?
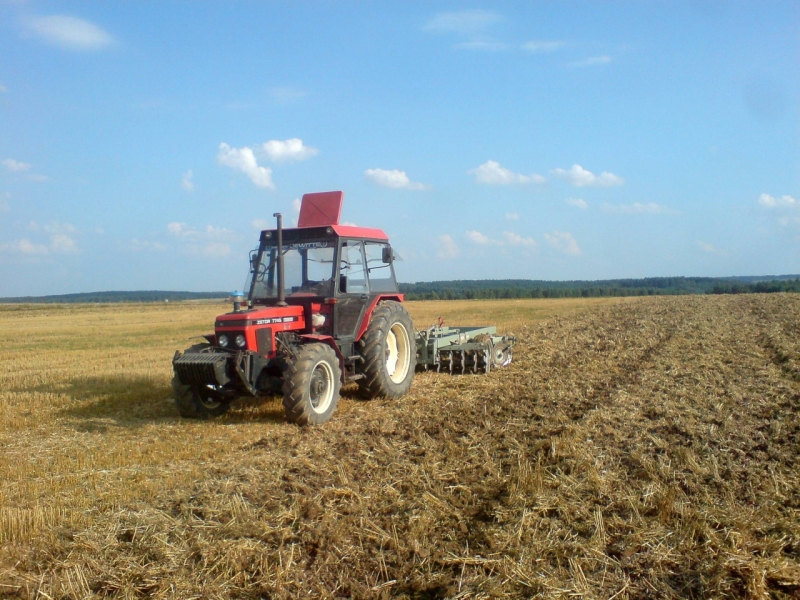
(352, 290)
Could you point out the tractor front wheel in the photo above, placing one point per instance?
(311, 384)
(389, 351)
(197, 403)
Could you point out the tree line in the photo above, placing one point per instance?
(488, 289)
(649, 286)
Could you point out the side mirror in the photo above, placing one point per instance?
(343, 284)
(387, 255)
(253, 260)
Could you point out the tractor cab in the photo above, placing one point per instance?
(322, 262)
(337, 273)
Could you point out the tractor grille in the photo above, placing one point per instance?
(200, 370)
(264, 340)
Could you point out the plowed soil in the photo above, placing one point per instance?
(631, 450)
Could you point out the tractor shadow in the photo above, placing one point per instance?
(116, 401)
(100, 403)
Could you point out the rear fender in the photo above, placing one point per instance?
(368, 313)
(328, 340)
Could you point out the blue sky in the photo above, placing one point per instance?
(143, 145)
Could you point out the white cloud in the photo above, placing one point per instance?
(580, 177)
(243, 159)
(68, 32)
(782, 202)
(579, 202)
(563, 242)
(15, 166)
(292, 149)
(492, 173)
(25, 246)
(514, 239)
(705, 247)
(476, 237)
(482, 45)
(62, 240)
(512, 216)
(211, 242)
(54, 228)
(61, 243)
(637, 208)
(180, 229)
(509, 239)
(218, 233)
(447, 248)
(592, 61)
(463, 22)
(261, 224)
(186, 181)
(393, 179)
(542, 46)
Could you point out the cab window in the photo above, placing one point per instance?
(352, 268)
(379, 267)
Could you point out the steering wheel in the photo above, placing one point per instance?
(261, 272)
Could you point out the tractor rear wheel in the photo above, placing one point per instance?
(196, 403)
(389, 351)
(311, 384)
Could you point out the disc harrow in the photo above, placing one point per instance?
(462, 350)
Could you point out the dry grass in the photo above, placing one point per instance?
(639, 449)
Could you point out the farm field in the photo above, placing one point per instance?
(636, 448)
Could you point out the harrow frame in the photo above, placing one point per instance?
(462, 349)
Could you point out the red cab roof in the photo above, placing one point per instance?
(359, 232)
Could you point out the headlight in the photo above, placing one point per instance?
(240, 341)
(223, 341)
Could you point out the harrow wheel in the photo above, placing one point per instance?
(389, 352)
(194, 403)
(501, 355)
(311, 384)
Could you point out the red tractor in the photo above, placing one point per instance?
(323, 309)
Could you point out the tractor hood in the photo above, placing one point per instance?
(280, 318)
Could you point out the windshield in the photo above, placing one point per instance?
(308, 270)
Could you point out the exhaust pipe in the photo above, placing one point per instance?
(281, 286)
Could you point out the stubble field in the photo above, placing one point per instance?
(633, 449)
